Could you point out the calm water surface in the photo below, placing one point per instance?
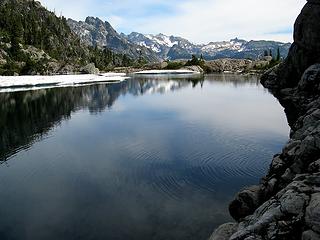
(150, 158)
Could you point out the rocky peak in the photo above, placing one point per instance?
(98, 23)
(96, 32)
(237, 40)
(94, 21)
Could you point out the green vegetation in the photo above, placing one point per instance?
(174, 65)
(105, 59)
(273, 62)
(27, 23)
(195, 61)
(10, 68)
(278, 58)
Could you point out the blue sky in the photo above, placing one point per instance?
(200, 21)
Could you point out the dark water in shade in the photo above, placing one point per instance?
(145, 159)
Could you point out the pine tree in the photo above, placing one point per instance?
(278, 55)
(16, 36)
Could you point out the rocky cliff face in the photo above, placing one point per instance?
(286, 204)
(95, 32)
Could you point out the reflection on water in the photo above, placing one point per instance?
(149, 158)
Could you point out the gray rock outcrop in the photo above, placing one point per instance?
(228, 65)
(225, 231)
(90, 69)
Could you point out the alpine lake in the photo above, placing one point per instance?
(150, 158)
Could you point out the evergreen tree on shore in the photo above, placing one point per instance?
(27, 23)
(278, 55)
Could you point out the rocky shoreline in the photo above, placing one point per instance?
(224, 65)
(286, 203)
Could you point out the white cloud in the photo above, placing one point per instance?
(199, 21)
(207, 20)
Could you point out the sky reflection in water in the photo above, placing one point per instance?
(142, 159)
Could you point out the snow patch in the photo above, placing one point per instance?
(161, 40)
(155, 49)
(167, 72)
(22, 83)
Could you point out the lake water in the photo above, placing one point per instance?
(151, 158)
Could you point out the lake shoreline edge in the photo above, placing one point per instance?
(285, 205)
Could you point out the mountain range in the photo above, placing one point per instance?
(34, 40)
(172, 47)
(95, 32)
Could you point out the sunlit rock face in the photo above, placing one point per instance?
(95, 32)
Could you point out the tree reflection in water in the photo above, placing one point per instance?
(26, 117)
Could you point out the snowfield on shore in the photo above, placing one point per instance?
(20, 83)
(180, 71)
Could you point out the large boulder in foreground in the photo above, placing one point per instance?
(245, 202)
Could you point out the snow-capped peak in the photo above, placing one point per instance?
(172, 47)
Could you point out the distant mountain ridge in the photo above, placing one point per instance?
(172, 47)
(95, 32)
(34, 40)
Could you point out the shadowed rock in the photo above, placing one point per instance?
(224, 232)
(287, 205)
